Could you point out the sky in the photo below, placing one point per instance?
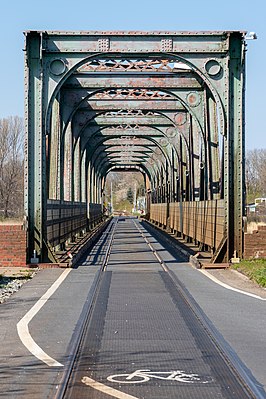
(17, 16)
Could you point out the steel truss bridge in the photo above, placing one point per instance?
(167, 104)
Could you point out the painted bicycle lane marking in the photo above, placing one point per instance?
(229, 287)
(140, 376)
(23, 324)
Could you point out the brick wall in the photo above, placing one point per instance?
(255, 244)
(12, 246)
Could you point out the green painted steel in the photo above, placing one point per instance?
(169, 104)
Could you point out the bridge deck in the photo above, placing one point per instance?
(143, 318)
(142, 321)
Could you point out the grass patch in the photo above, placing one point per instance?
(255, 269)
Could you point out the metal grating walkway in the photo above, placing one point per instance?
(141, 321)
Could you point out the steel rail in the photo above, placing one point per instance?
(222, 346)
(155, 253)
(85, 315)
(109, 247)
(228, 354)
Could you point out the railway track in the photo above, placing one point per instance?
(142, 335)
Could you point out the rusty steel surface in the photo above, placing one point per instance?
(156, 102)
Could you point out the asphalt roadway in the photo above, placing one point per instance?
(235, 320)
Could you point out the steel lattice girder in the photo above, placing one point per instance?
(183, 92)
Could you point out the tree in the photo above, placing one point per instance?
(130, 195)
(11, 166)
(255, 174)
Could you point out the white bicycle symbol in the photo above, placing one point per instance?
(140, 376)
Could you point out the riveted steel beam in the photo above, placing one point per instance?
(149, 104)
(234, 168)
(167, 82)
(137, 41)
(35, 164)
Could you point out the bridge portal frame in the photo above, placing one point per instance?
(217, 57)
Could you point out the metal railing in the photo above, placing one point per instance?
(202, 221)
(64, 219)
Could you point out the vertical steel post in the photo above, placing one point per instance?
(68, 166)
(83, 178)
(54, 153)
(235, 171)
(112, 206)
(76, 175)
(35, 170)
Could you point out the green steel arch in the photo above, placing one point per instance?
(185, 88)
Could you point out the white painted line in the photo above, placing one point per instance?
(228, 287)
(105, 389)
(23, 329)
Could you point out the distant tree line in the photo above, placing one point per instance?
(255, 174)
(11, 167)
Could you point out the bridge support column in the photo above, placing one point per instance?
(35, 153)
(83, 178)
(54, 153)
(67, 187)
(234, 165)
(77, 172)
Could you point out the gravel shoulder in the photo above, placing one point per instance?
(12, 279)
